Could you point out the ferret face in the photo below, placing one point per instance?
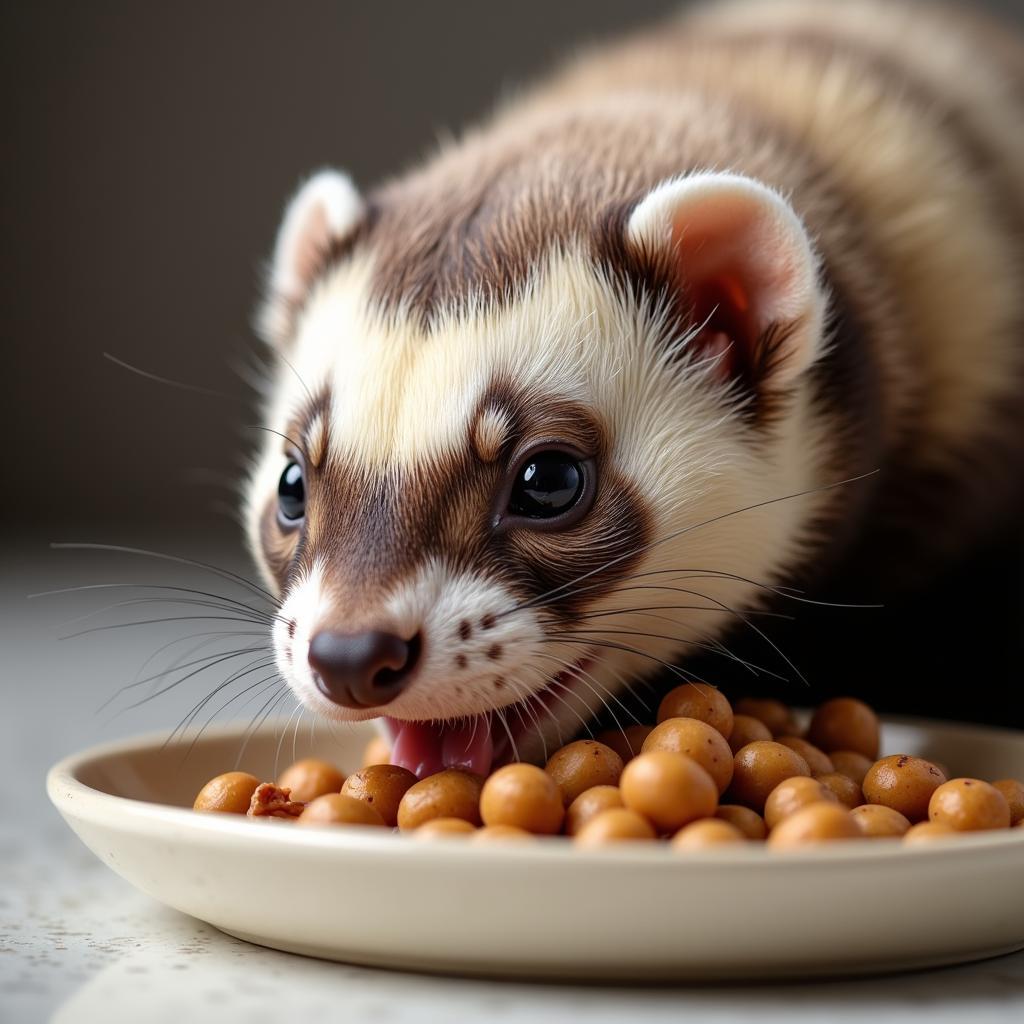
(485, 526)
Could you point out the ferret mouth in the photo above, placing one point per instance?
(477, 743)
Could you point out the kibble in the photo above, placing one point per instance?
(613, 826)
(817, 760)
(382, 786)
(668, 789)
(969, 805)
(792, 795)
(878, 822)
(749, 822)
(759, 767)
(851, 764)
(335, 809)
(746, 729)
(625, 742)
(499, 834)
(904, 783)
(589, 804)
(448, 794)
(775, 716)
(700, 701)
(709, 832)
(310, 778)
(377, 752)
(845, 790)
(525, 796)
(781, 785)
(1013, 792)
(697, 740)
(815, 823)
(443, 828)
(230, 793)
(582, 765)
(928, 832)
(845, 724)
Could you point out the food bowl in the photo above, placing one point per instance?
(547, 909)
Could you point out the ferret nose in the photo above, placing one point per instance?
(362, 670)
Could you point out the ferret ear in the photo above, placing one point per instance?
(322, 213)
(744, 260)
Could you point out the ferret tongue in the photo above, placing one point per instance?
(427, 747)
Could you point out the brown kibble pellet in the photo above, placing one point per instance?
(927, 832)
(448, 794)
(525, 796)
(1013, 791)
(969, 805)
(851, 764)
(696, 739)
(625, 742)
(230, 793)
(335, 809)
(759, 767)
(589, 804)
(775, 716)
(612, 826)
(746, 729)
(845, 724)
(668, 789)
(843, 788)
(443, 828)
(904, 783)
(815, 823)
(499, 834)
(582, 765)
(749, 822)
(700, 701)
(817, 760)
(792, 795)
(378, 751)
(708, 832)
(878, 822)
(309, 778)
(382, 786)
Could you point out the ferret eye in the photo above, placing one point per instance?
(547, 485)
(291, 493)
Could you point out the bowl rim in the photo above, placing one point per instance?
(76, 800)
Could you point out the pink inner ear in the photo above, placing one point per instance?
(736, 265)
(726, 335)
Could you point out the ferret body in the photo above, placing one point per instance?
(730, 307)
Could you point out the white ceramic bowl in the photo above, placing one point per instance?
(546, 909)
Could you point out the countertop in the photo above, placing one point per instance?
(79, 944)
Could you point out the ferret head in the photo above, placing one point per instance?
(508, 459)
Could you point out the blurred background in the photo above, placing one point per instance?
(150, 149)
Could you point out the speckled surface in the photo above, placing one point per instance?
(77, 944)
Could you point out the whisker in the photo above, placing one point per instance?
(185, 678)
(256, 665)
(150, 622)
(147, 586)
(680, 532)
(261, 716)
(180, 560)
(185, 601)
(176, 667)
(676, 669)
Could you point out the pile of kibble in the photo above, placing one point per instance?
(705, 775)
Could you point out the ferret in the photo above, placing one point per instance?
(709, 316)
